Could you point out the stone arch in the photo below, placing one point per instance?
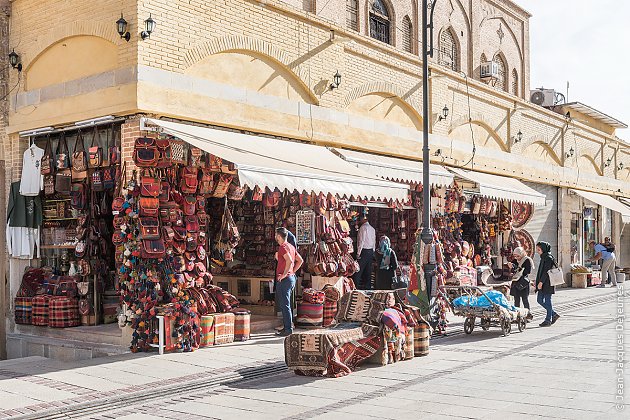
(388, 107)
(587, 162)
(71, 58)
(533, 149)
(247, 45)
(61, 32)
(373, 87)
(481, 129)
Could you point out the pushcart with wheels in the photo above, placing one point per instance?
(493, 315)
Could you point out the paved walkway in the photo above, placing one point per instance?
(566, 371)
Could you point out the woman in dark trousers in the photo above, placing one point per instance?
(387, 265)
(543, 285)
(520, 286)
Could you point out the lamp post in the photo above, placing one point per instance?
(427, 232)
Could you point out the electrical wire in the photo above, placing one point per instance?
(13, 88)
(472, 132)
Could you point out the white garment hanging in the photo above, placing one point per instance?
(32, 181)
(22, 243)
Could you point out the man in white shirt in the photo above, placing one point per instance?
(366, 245)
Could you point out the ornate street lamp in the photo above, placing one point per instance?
(336, 81)
(121, 27)
(149, 27)
(14, 60)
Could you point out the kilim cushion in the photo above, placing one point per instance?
(310, 314)
(63, 312)
(242, 328)
(357, 306)
(223, 328)
(330, 310)
(40, 310)
(23, 310)
(207, 331)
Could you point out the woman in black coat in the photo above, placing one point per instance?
(543, 285)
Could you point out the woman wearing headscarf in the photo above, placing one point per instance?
(543, 285)
(520, 282)
(387, 264)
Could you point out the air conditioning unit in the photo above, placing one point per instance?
(489, 70)
(543, 97)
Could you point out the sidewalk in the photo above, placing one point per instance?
(36, 383)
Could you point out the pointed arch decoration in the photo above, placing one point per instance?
(449, 50)
(501, 82)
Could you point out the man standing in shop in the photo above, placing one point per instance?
(608, 265)
(366, 244)
(289, 262)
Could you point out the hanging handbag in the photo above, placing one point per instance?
(47, 162)
(164, 147)
(113, 151)
(223, 182)
(79, 163)
(195, 157)
(149, 207)
(150, 186)
(97, 180)
(190, 205)
(149, 228)
(62, 160)
(189, 180)
(49, 184)
(109, 178)
(78, 196)
(145, 153)
(95, 152)
(63, 181)
(556, 276)
(153, 249)
(235, 191)
(206, 184)
(179, 152)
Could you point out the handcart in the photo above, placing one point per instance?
(492, 316)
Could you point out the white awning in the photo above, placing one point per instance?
(396, 169)
(272, 163)
(608, 202)
(501, 187)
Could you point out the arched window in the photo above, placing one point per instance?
(380, 22)
(448, 53)
(352, 14)
(407, 38)
(515, 82)
(501, 82)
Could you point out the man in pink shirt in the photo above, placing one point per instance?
(289, 262)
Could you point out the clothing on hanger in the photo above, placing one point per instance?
(32, 181)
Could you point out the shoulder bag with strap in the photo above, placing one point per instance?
(95, 151)
(47, 164)
(62, 159)
(556, 276)
(79, 164)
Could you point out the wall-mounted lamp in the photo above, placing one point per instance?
(149, 27)
(608, 162)
(438, 152)
(444, 115)
(121, 27)
(570, 153)
(567, 116)
(620, 166)
(14, 60)
(519, 137)
(336, 81)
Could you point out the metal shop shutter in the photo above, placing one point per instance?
(544, 223)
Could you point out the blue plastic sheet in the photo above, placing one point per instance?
(482, 302)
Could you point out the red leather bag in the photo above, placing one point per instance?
(153, 249)
(149, 207)
(149, 228)
(189, 180)
(146, 153)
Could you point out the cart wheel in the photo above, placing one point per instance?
(485, 324)
(469, 325)
(506, 327)
(522, 323)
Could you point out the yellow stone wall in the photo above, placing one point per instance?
(267, 67)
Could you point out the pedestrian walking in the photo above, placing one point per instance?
(366, 245)
(289, 262)
(609, 261)
(520, 281)
(543, 286)
(387, 265)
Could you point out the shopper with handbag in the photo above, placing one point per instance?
(387, 265)
(543, 283)
(289, 262)
(520, 280)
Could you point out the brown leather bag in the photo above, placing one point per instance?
(79, 159)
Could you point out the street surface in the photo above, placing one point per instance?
(567, 371)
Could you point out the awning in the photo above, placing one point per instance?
(608, 202)
(272, 163)
(501, 187)
(396, 169)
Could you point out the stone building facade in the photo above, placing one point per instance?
(267, 67)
